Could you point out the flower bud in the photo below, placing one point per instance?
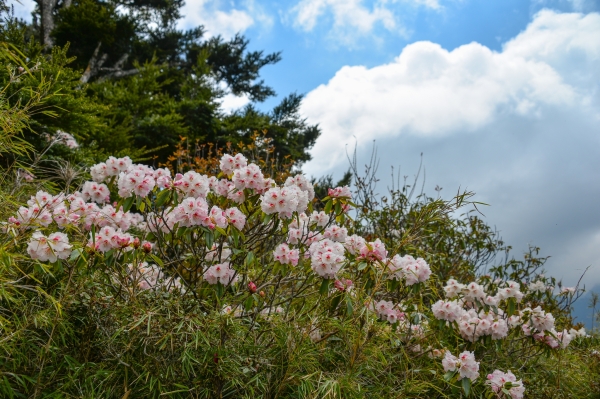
(147, 247)
(262, 294)
(339, 285)
(252, 287)
(136, 243)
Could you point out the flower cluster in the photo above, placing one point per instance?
(478, 314)
(284, 201)
(150, 277)
(285, 255)
(500, 382)
(340, 192)
(221, 273)
(373, 251)
(327, 257)
(465, 364)
(386, 310)
(107, 238)
(55, 246)
(407, 268)
(199, 209)
(65, 138)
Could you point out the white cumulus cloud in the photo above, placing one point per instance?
(214, 18)
(430, 91)
(353, 17)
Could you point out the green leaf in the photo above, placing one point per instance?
(349, 307)
(250, 258)
(234, 236)
(248, 303)
(324, 287)
(335, 301)
(75, 254)
(449, 375)
(220, 230)
(267, 218)
(338, 208)
(162, 197)
(466, 386)
(209, 238)
(128, 203)
(93, 234)
(362, 265)
(328, 206)
(157, 260)
(511, 306)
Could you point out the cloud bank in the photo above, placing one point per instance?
(351, 18)
(519, 127)
(215, 21)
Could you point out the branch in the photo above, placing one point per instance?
(118, 74)
(94, 65)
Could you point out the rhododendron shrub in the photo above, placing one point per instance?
(222, 285)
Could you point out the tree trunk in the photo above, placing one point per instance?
(47, 21)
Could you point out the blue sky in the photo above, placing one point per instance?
(502, 97)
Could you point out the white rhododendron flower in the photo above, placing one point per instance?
(285, 255)
(453, 288)
(55, 246)
(284, 201)
(236, 218)
(96, 192)
(220, 273)
(248, 177)
(499, 380)
(303, 184)
(537, 286)
(321, 219)
(336, 233)
(354, 244)
(340, 192)
(327, 257)
(218, 254)
(229, 164)
(407, 268)
(374, 251)
(465, 364)
(65, 138)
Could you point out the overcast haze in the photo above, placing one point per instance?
(502, 97)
